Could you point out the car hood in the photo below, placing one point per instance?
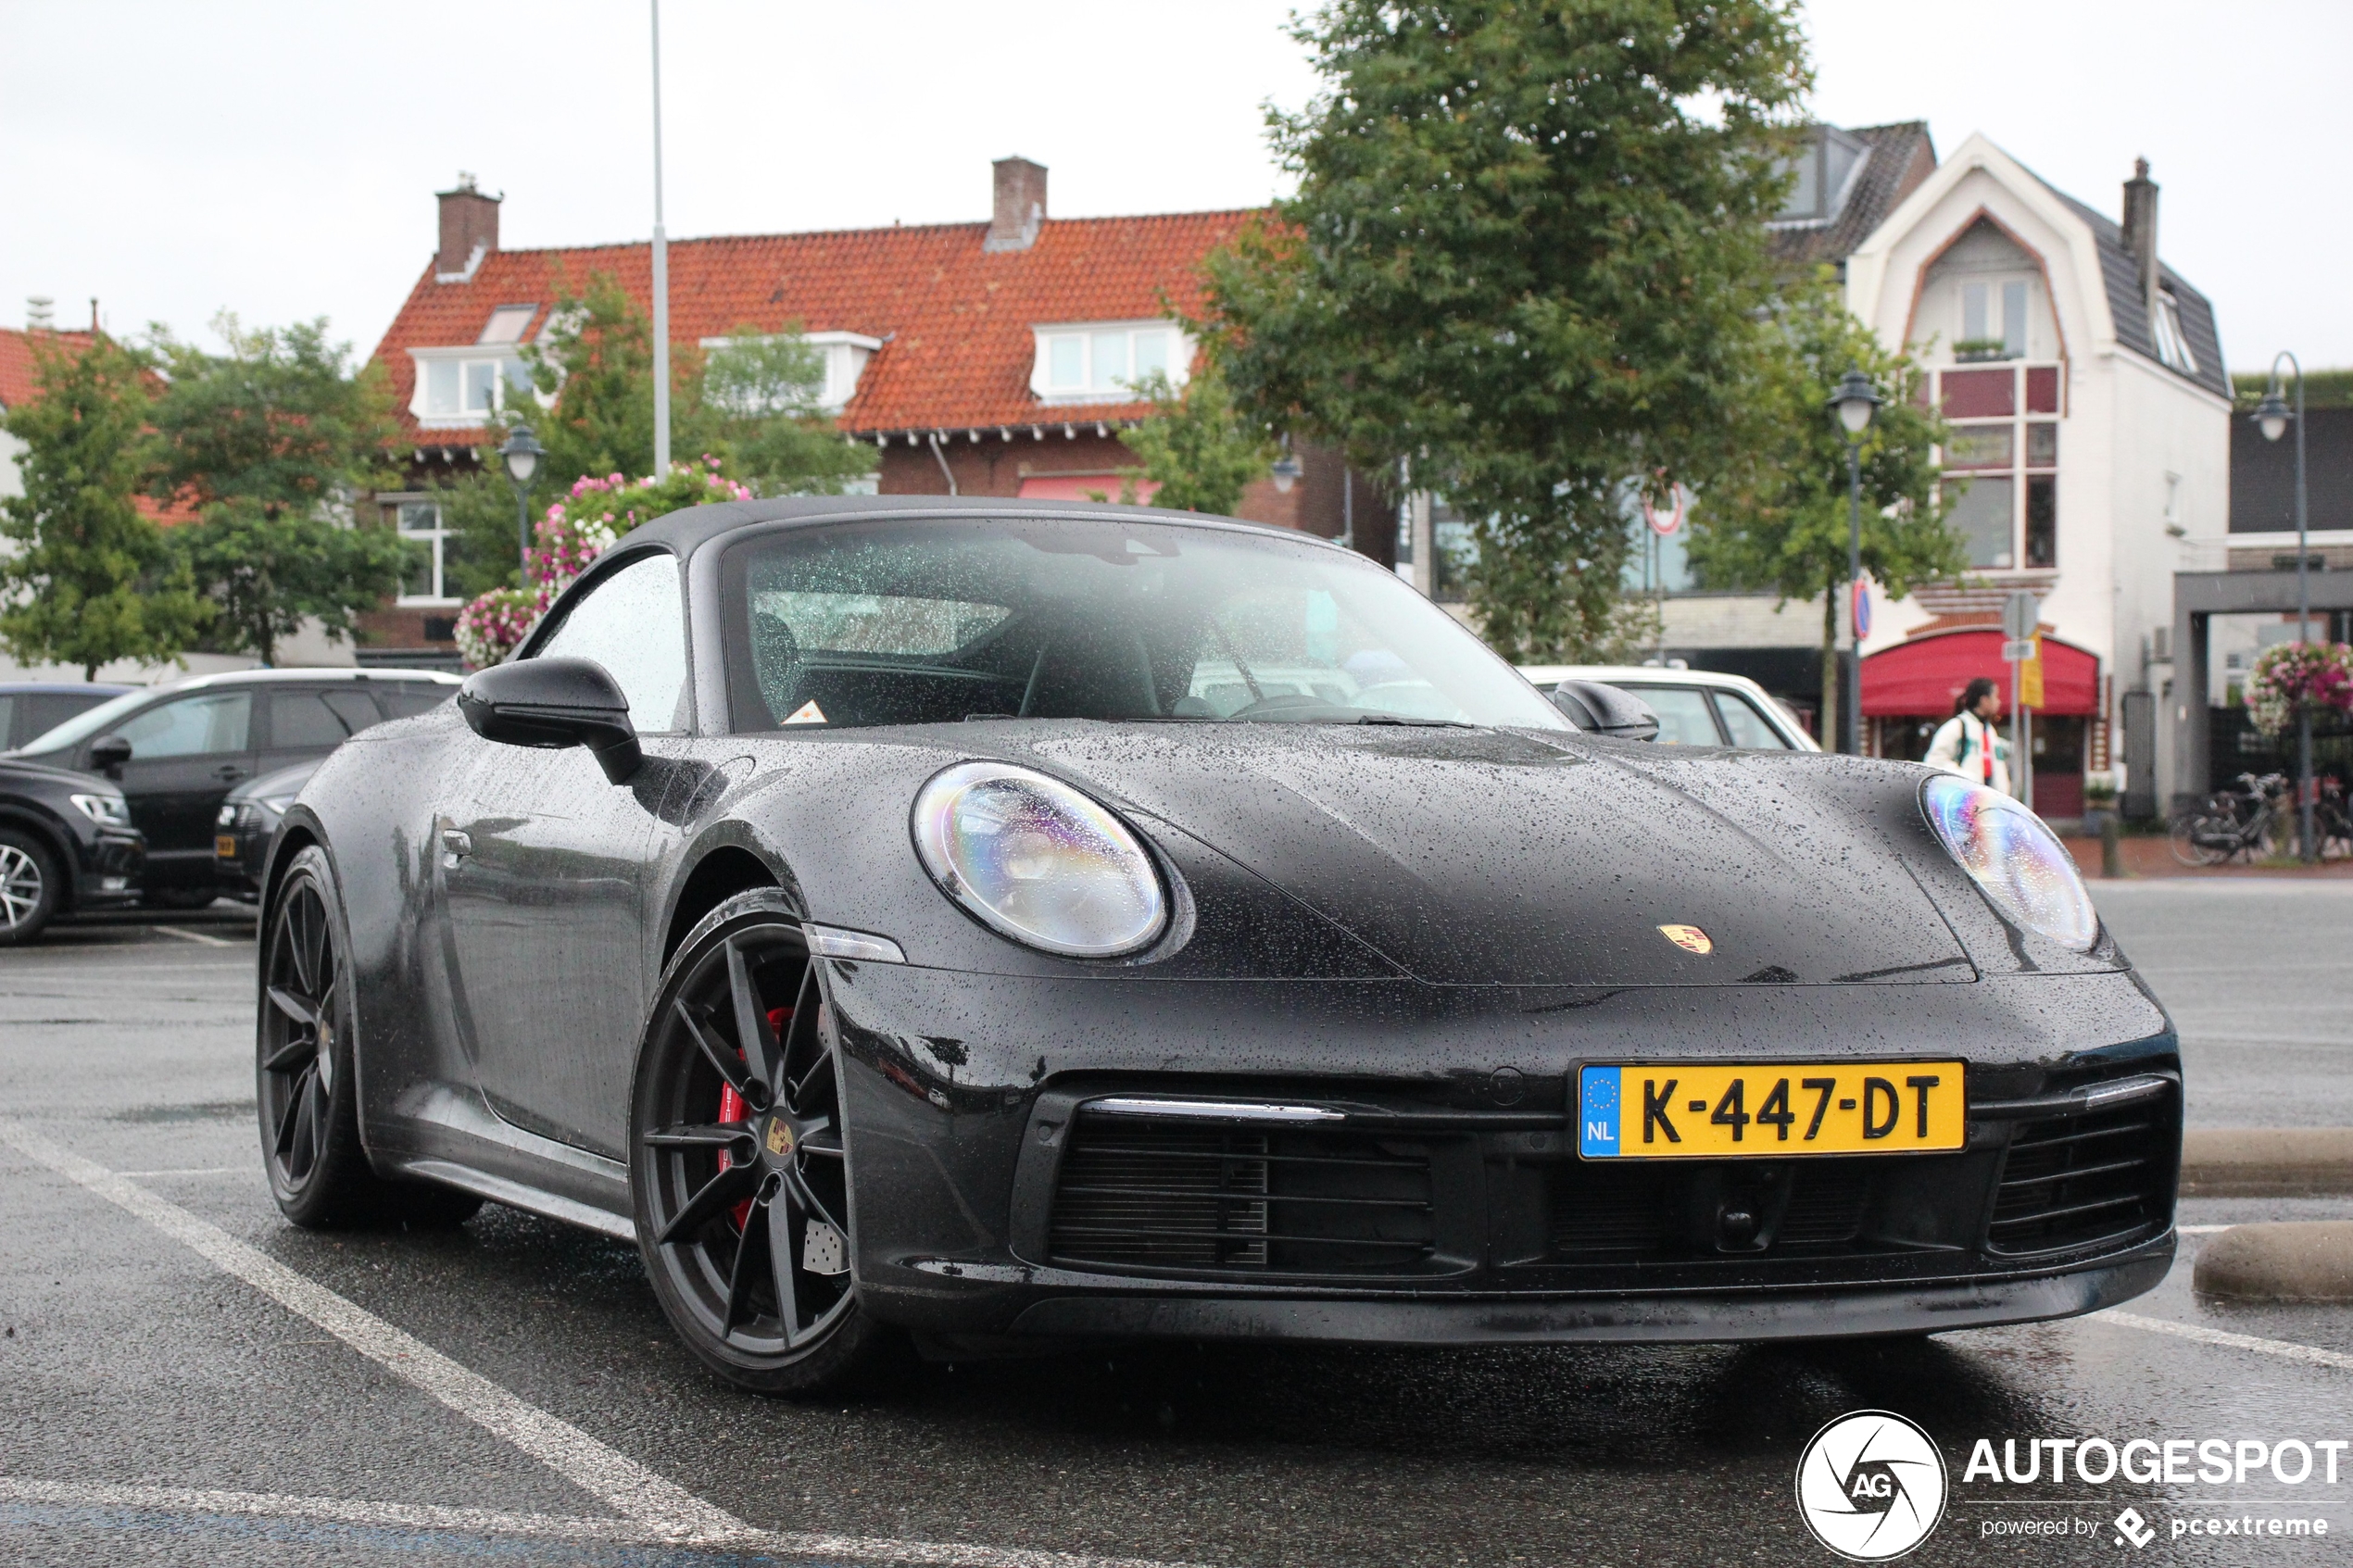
(16, 771)
(1492, 856)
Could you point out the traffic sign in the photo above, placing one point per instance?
(2021, 612)
(1862, 609)
(2018, 650)
(2029, 675)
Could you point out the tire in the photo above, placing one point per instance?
(740, 1173)
(2188, 849)
(31, 886)
(306, 1088)
(183, 899)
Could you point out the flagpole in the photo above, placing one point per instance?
(662, 277)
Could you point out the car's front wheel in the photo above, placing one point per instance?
(739, 1167)
(30, 888)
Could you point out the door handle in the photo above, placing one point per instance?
(229, 773)
(455, 847)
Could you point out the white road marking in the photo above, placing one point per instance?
(195, 936)
(2285, 1350)
(613, 1478)
(248, 1170)
(559, 1526)
(656, 1510)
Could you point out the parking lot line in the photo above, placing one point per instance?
(2283, 1348)
(656, 1510)
(604, 1473)
(198, 936)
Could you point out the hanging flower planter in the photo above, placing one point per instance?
(2290, 673)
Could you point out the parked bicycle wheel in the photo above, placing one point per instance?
(2201, 840)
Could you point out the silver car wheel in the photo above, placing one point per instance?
(20, 887)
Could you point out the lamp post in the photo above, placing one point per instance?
(1855, 402)
(2272, 420)
(522, 454)
(661, 279)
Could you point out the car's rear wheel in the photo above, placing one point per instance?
(30, 888)
(307, 1089)
(739, 1170)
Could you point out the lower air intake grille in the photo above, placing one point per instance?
(1137, 1193)
(2071, 1181)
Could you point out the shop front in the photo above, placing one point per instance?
(1910, 689)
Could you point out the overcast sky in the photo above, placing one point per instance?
(279, 161)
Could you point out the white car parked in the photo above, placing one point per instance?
(1694, 706)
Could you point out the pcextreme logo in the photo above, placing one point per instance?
(1870, 1486)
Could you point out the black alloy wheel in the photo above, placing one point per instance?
(739, 1169)
(30, 888)
(306, 1090)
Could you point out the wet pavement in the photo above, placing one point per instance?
(184, 1378)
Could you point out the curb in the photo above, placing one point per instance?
(2267, 1161)
(2308, 1260)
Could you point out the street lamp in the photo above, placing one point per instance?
(2273, 418)
(1287, 469)
(522, 454)
(1855, 402)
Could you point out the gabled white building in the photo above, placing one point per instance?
(2090, 414)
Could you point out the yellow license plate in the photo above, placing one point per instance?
(225, 847)
(1732, 1110)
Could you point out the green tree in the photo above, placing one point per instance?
(1200, 450)
(751, 402)
(89, 580)
(268, 442)
(1524, 258)
(268, 572)
(1779, 522)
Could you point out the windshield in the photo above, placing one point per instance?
(931, 621)
(81, 726)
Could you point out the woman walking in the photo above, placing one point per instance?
(1967, 743)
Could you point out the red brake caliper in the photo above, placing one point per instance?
(733, 1109)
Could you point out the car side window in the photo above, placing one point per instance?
(304, 722)
(633, 623)
(406, 700)
(200, 725)
(1683, 717)
(1745, 725)
(353, 707)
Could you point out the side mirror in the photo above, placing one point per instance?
(552, 703)
(1605, 710)
(107, 754)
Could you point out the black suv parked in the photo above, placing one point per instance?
(30, 709)
(178, 749)
(66, 843)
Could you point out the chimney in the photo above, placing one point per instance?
(469, 231)
(1021, 205)
(2140, 230)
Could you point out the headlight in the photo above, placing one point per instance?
(2008, 852)
(1039, 861)
(227, 818)
(107, 809)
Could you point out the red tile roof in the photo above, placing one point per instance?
(956, 318)
(18, 384)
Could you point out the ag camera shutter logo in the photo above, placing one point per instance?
(1870, 1486)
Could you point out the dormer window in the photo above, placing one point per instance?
(1105, 361)
(507, 323)
(2173, 346)
(843, 355)
(1825, 172)
(459, 388)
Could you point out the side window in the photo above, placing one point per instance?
(303, 721)
(194, 726)
(1683, 717)
(1746, 726)
(8, 710)
(353, 707)
(407, 699)
(635, 624)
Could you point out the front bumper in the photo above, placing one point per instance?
(241, 849)
(1453, 1207)
(107, 869)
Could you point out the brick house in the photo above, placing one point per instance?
(984, 358)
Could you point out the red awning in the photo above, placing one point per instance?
(1923, 677)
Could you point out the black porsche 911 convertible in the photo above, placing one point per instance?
(996, 923)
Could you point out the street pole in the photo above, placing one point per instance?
(523, 530)
(2307, 846)
(1854, 684)
(662, 277)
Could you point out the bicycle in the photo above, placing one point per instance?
(2232, 822)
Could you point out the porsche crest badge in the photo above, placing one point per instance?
(779, 1137)
(1691, 938)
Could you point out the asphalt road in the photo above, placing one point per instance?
(184, 1378)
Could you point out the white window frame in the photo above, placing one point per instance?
(2022, 468)
(845, 355)
(1090, 388)
(465, 358)
(437, 538)
(2165, 333)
